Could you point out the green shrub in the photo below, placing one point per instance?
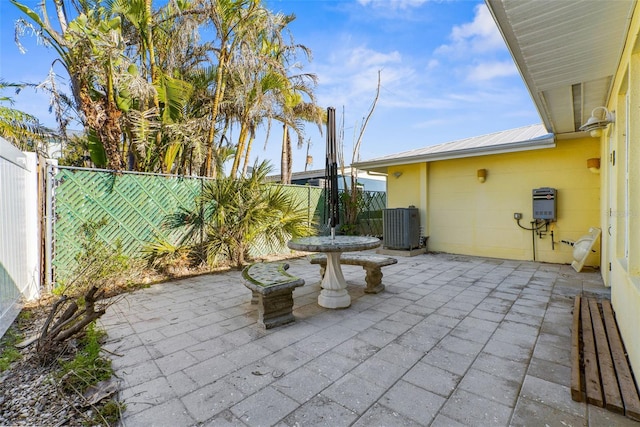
(9, 352)
(88, 367)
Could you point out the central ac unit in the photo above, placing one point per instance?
(401, 228)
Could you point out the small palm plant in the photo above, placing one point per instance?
(234, 214)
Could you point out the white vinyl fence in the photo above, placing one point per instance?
(19, 232)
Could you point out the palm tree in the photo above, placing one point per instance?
(159, 130)
(91, 49)
(22, 129)
(234, 21)
(293, 100)
(269, 91)
(235, 213)
(144, 87)
(128, 103)
(304, 111)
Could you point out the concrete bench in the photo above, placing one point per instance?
(371, 263)
(272, 289)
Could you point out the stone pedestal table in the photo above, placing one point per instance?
(334, 288)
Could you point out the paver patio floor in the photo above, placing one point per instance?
(452, 341)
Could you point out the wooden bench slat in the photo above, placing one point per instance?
(600, 370)
(577, 385)
(612, 398)
(592, 378)
(628, 387)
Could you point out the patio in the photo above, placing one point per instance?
(453, 340)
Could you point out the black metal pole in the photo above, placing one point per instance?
(332, 170)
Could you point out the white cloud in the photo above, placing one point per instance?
(479, 36)
(393, 4)
(476, 52)
(490, 70)
(427, 124)
(351, 75)
(363, 57)
(433, 64)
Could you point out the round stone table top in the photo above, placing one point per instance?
(337, 244)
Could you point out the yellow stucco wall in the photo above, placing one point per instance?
(408, 189)
(404, 190)
(621, 196)
(468, 217)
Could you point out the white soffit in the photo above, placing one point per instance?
(566, 51)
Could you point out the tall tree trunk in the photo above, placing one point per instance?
(285, 157)
(252, 137)
(242, 141)
(104, 118)
(217, 96)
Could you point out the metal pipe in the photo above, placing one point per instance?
(533, 240)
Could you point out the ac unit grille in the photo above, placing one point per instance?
(401, 228)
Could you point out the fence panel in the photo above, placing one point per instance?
(369, 219)
(309, 198)
(132, 205)
(370, 216)
(19, 232)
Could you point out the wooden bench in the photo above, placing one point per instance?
(371, 263)
(600, 371)
(272, 289)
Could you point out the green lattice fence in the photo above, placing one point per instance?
(309, 198)
(370, 216)
(134, 207)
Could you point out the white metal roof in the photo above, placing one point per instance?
(525, 138)
(567, 53)
(318, 173)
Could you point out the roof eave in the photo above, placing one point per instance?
(499, 16)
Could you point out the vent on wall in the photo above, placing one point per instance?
(401, 228)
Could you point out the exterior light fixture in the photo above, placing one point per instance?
(482, 175)
(600, 119)
(397, 174)
(594, 165)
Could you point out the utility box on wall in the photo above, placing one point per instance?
(401, 228)
(544, 203)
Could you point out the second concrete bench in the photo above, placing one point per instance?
(371, 263)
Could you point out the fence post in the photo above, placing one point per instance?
(199, 199)
(308, 206)
(49, 218)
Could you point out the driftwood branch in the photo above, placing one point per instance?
(72, 321)
(50, 317)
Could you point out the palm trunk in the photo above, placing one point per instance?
(246, 156)
(244, 132)
(285, 157)
(217, 96)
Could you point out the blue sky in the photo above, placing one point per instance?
(446, 73)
